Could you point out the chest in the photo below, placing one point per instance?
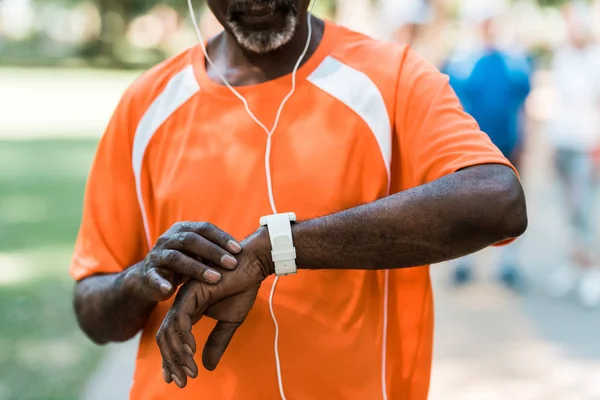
(209, 163)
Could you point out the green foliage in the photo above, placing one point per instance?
(551, 3)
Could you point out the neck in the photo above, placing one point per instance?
(242, 68)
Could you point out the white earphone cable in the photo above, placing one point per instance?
(386, 283)
(267, 152)
(270, 185)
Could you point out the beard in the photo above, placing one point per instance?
(266, 39)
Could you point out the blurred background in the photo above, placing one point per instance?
(520, 322)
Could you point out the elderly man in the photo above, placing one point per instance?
(374, 155)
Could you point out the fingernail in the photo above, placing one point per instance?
(177, 381)
(165, 288)
(189, 372)
(188, 349)
(166, 376)
(234, 246)
(212, 276)
(228, 261)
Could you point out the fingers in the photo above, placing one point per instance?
(184, 329)
(185, 250)
(215, 235)
(184, 345)
(196, 245)
(172, 369)
(156, 287)
(167, 375)
(217, 343)
(185, 265)
(175, 339)
(178, 360)
(210, 232)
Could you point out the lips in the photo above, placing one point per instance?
(255, 12)
(257, 16)
(259, 10)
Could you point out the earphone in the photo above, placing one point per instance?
(270, 190)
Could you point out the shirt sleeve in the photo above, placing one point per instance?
(434, 136)
(111, 236)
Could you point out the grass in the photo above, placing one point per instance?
(43, 355)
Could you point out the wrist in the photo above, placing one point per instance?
(132, 281)
(261, 247)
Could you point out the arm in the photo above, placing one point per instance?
(453, 193)
(116, 291)
(109, 307)
(114, 307)
(520, 73)
(445, 219)
(450, 217)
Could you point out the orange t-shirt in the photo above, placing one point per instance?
(367, 119)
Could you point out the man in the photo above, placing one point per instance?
(493, 84)
(367, 119)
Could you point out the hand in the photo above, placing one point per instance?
(186, 250)
(229, 303)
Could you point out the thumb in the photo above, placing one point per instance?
(157, 288)
(217, 343)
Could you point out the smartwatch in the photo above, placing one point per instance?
(282, 245)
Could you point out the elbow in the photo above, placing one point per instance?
(509, 217)
(98, 329)
(86, 325)
(99, 334)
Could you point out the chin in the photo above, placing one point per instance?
(266, 40)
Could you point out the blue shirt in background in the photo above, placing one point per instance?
(492, 86)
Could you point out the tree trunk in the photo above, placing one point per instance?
(114, 21)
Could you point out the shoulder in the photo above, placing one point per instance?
(516, 59)
(141, 103)
(461, 62)
(140, 95)
(381, 61)
(392, 67)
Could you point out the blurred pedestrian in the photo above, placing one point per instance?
(423, 24)
(413, 19)
(493, 83)
(574, 131)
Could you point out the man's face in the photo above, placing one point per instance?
(260, 26)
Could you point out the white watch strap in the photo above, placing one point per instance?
(282, 244)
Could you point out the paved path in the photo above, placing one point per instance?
(491, 344)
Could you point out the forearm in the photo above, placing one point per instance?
(108, 307)
(451, 217)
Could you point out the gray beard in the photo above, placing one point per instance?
(262, 42)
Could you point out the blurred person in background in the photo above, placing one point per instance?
(574, 131)
(422, 24)
(413, 19)
(492, 83)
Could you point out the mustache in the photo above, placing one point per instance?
(241, 6)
